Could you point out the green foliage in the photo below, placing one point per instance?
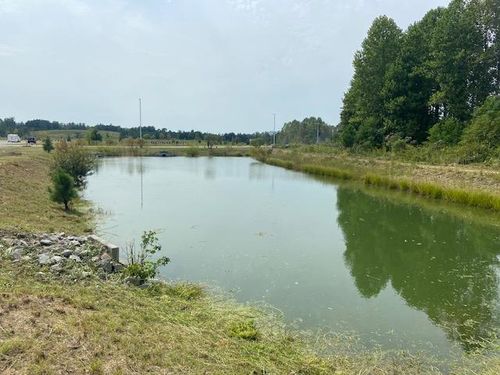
(140, 265)
(481, 139)
(193, 151)
(308, 131)
(73, 159)
(47, 145)
(364, 107)
(423, 84)
(63, 188)
(447, 131)
(93, 136)
(244, 330)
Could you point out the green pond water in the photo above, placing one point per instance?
(398, 275)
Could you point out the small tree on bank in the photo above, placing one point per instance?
(73, 159)
(63, 188)
(47, 145)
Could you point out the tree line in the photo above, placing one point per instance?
(9, 125)
(428, 83)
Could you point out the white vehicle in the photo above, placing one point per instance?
(13, 138)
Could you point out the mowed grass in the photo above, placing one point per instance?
(24, 198)
(108, 328)
(48, 326)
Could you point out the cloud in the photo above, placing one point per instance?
(8, 51)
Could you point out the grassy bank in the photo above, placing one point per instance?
(24, 198)
(107, 328)
(476, 186)
(162, 150)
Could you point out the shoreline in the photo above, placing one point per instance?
(387, 177)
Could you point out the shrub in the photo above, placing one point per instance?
(93, 136)
(47, 145)
(73, 159)
(193, 151)
(140, 265)
(447, 131)
(63, 188)
(481, 139)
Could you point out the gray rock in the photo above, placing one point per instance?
(67, 253)
(75, 258)
(74, 243)
(118, 267)
(44, 259)
(106, 265)
(56, 268)
(56, 259)
(45, 242)
(9, 241)
(17, 253)
(106, 256)
(83, 253)
(22, 243)
(136, 281)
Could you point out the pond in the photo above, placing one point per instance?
(334, 257)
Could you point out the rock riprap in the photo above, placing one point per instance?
(59, 253)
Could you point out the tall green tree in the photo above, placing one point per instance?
(458, 61)
(364, 107)
(410, 83)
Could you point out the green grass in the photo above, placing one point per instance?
(74, 134)
(110, 328)
(479, 199)
(157, 150)
(433, 182)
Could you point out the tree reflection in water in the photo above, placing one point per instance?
(437, 263)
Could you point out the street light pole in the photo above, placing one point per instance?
(274, 129)
(140, 118)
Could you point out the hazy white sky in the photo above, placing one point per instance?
(213, 65)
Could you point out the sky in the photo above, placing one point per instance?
(209, 65)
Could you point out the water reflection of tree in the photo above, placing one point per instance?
(438, 263)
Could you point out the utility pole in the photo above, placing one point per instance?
(140, 118)
(274, 129)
